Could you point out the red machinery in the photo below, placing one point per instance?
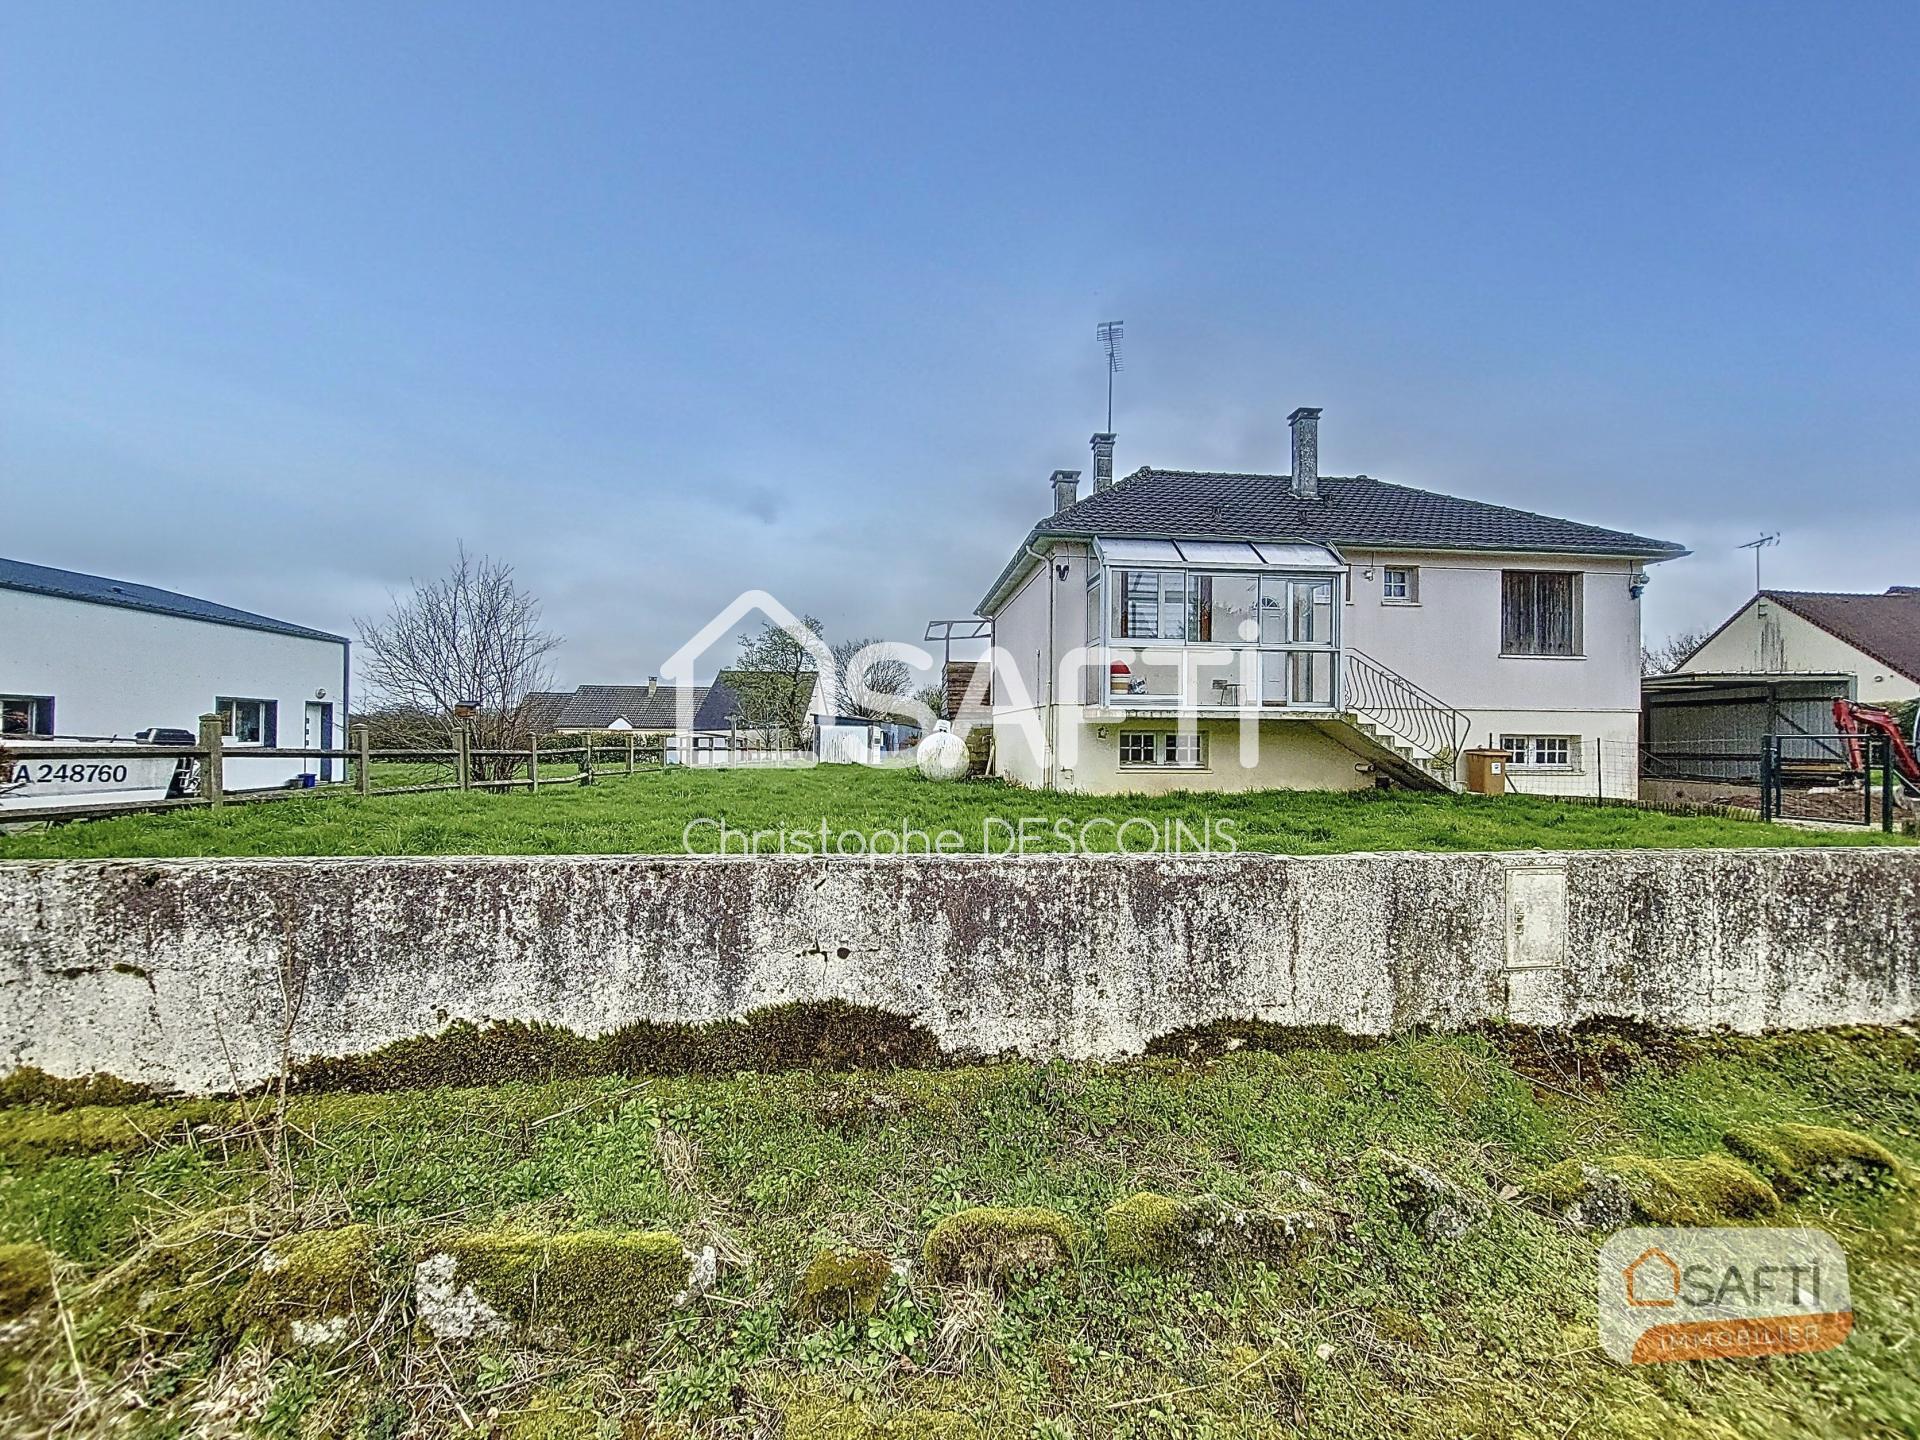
(1854, 720)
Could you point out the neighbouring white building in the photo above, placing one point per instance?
(1183, 630)
(1874, 638)
(85, 656)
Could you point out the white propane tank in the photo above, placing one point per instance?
(943, 754)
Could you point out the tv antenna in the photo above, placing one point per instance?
(1108, 332)
(1757, 546)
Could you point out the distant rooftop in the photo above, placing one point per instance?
(98, 590)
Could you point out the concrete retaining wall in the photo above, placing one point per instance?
(181, 972)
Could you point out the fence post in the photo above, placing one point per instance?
(1886, 785)
(460, 742)
(213, 787)
(362, 761)
(586, 761)
(1769, 761)
(533, 764)
(630, 740)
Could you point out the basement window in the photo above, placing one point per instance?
(248, 722)
(1162, 750)
(26, 715)
(1541, 752)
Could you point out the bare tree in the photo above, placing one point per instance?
(1669, 654)
(470, 638)
(934, 697)
(876, 674)
(774, 682)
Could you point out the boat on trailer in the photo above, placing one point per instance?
(105, 775)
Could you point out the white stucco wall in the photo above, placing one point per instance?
(187, 973)
(113, 670)
(1767, 638)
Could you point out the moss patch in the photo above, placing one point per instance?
(1665, 1192)
(26, 1279)
(842, 1285)
(31, 1086)
(1796, 1158)
(1152, 1229)
(311, 1287)
(999, 1246)
(34, 1132)
(607, 1285)
(1222, 1037)
(805, 1035)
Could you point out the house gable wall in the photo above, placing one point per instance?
(1765, 637)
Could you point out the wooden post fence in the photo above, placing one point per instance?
(362, 761)
(462, 740)
(213, 788)
(630, 739)
(533, 764)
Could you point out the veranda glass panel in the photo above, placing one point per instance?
(1136, 674)
(1225, 608)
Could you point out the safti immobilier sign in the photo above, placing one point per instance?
(1685, 1294)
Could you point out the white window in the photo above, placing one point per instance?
(1541, 752)
(26, 714)
(247, 722)
(1162, 750)
(1400, 585)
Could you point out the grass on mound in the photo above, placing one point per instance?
(857, 809)
(156, 1267)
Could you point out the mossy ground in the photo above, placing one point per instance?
(1381, 1331)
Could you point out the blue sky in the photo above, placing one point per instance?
(665, 303)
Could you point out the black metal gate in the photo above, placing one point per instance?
(1841, 779)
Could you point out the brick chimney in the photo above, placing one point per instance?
(1102, 461)
(1066, 489)
(1306, 452)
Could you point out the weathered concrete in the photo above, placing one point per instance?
(190, 973)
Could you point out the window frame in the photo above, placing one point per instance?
(1410, 584)
(1514, 644)
(1167, 747)
(1524, 752)
(227, 707)
(40, 710)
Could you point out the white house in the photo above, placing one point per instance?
(84, 656)
(1874, 638)
(1182, 630)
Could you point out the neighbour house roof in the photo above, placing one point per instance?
(1350, 510)
(98, 590)
(1885, 627)
(543, 709)
(643, 707)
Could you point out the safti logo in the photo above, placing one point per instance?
(1712, 1294)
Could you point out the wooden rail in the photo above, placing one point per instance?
(210, 754)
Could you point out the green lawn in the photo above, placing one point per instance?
(650, 814)
(161, 1217)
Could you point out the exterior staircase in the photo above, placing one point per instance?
(1411, 733)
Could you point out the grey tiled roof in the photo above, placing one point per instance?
(594, 707)
(543, 709)
(98, 590)
(1350, 511)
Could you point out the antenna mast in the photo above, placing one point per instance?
(1757, 546)
(1108, 332)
